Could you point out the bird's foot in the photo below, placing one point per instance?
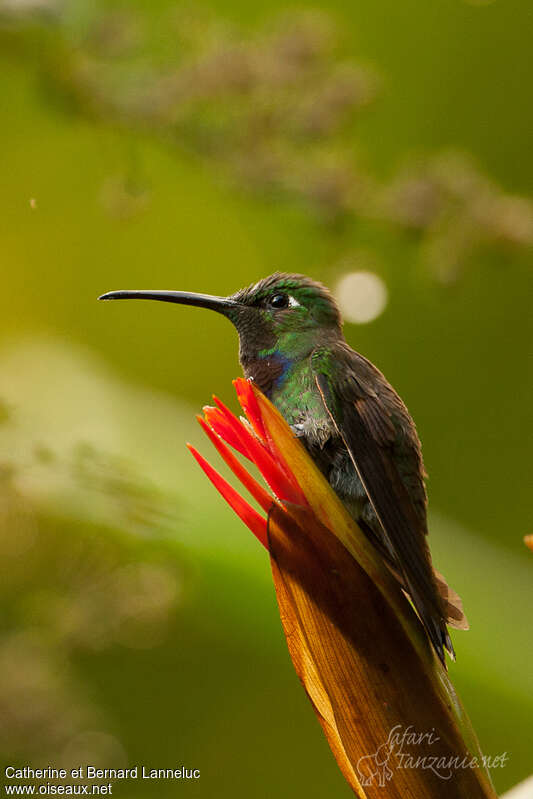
(298, 430)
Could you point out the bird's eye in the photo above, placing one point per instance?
(278, 301)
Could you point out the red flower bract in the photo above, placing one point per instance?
(249, 438)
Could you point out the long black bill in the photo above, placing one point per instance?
(220, 304)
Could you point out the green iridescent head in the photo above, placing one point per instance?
(290, 301)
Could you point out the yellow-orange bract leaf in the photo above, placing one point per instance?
(363, 674)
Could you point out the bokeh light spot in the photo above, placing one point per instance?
(362, 296)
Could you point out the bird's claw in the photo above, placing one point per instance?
(298, 430)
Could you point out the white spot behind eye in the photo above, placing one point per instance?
(294, 303)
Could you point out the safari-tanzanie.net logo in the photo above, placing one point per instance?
(406, 748)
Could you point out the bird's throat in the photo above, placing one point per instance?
(269, 371)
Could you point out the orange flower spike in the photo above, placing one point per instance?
(250, 406)
(284, 486)
(273, 446)
(246, 394)
(262, 497)
(235, 426)
(251, 518)
(242, 431)
(217, 421)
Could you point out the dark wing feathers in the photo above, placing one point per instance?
(377, 422)
(381, 439)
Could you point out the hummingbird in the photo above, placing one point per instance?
(350, 419)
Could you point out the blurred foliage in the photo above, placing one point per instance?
(279, 110)
(68, 588)
(155, 145)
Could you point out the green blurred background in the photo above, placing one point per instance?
(155, 145)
